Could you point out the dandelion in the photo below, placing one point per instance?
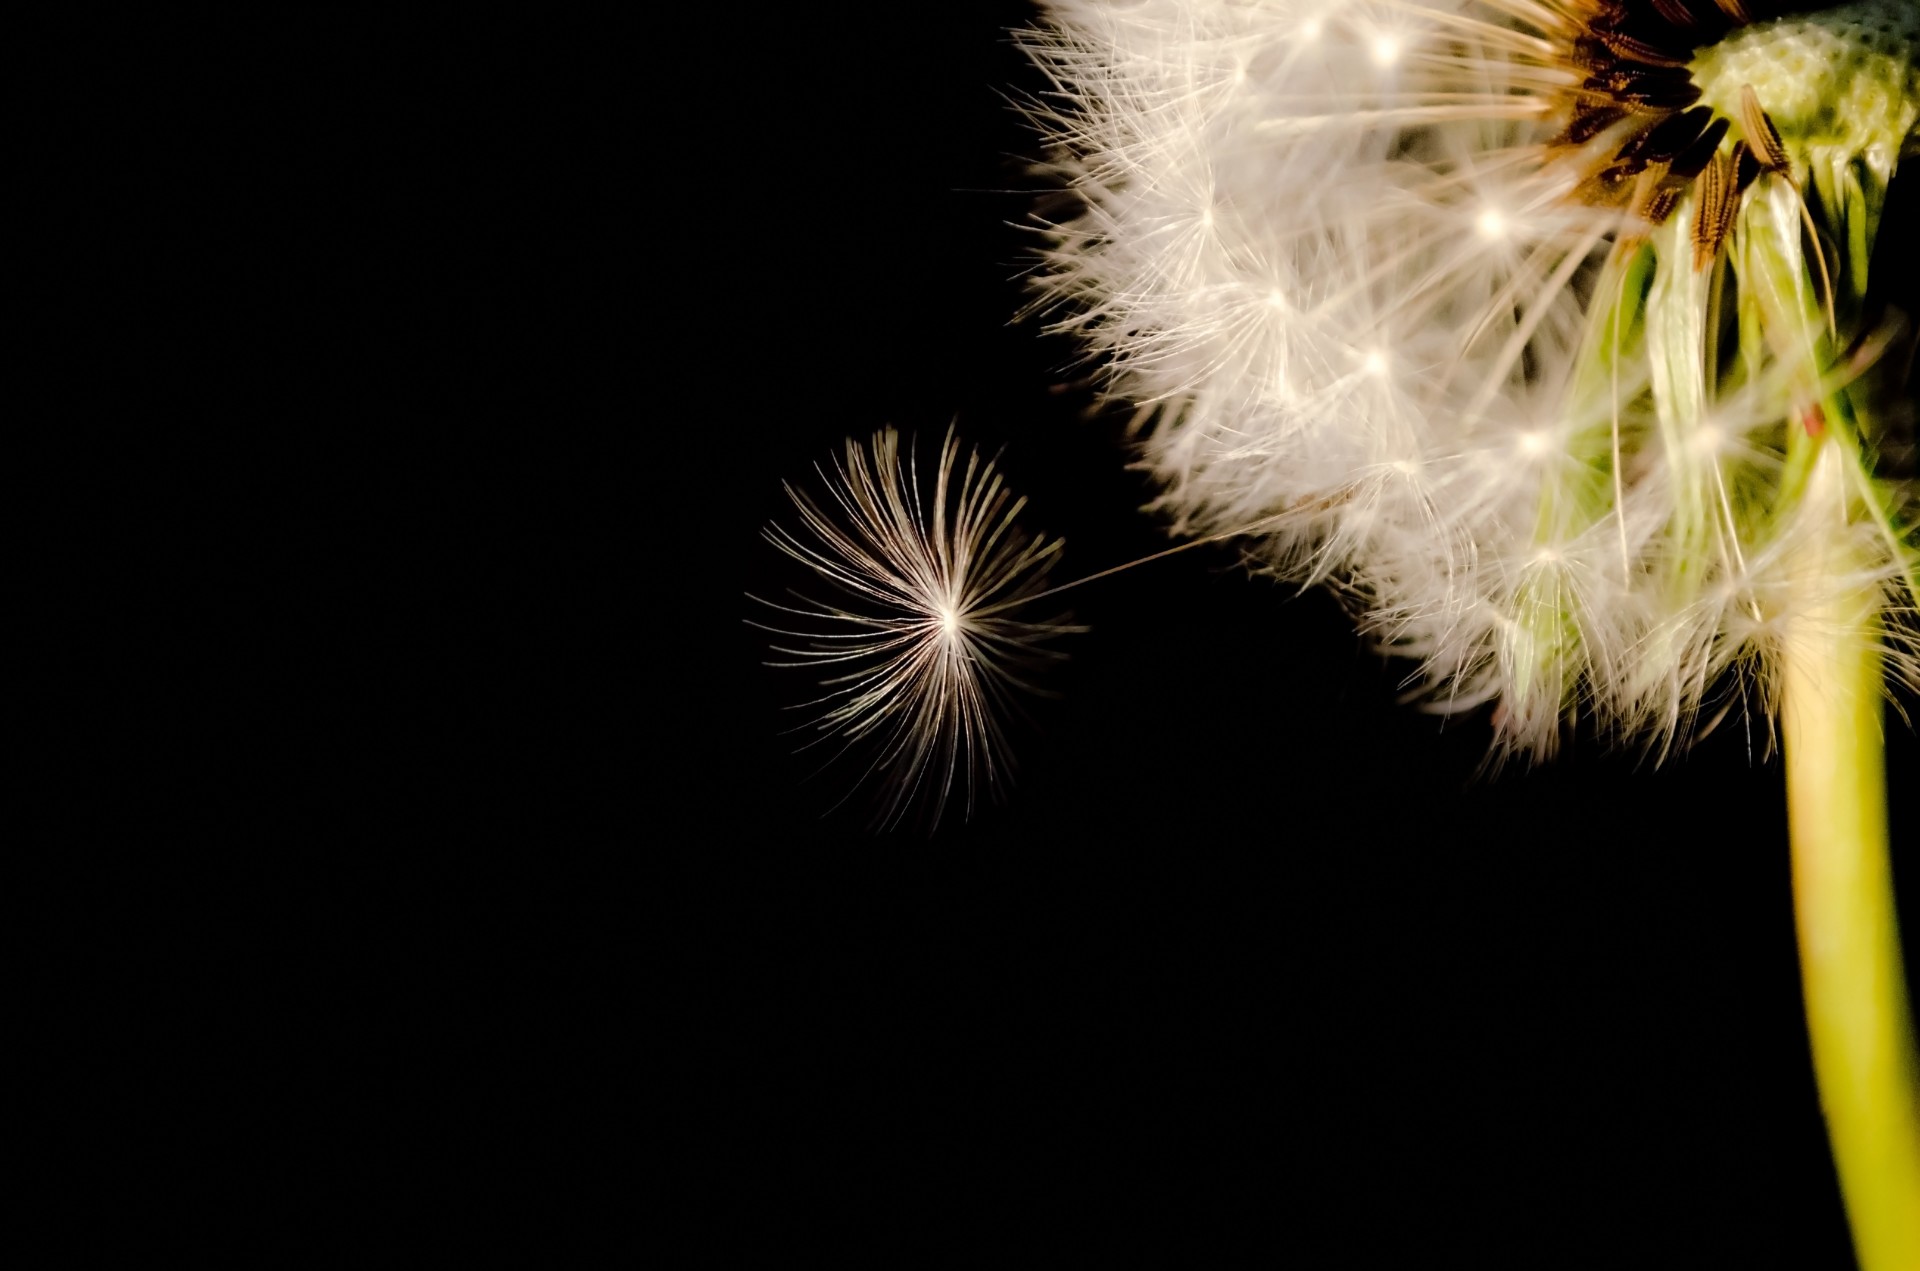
(1409, 312)
(924, 648)
(1551, 332)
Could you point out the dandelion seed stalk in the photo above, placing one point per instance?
(1832, 663)
(1856, 1000)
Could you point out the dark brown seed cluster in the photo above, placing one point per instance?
(1637, 90)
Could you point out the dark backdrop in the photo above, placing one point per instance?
(470, 869)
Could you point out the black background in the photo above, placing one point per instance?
(476, 874)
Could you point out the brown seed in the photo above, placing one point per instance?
(1761, 134)
(1690, 162)
(1589, 122)
(1675, 12)
(1654, 198)
(1713, 211)
(1640, 50)
(1746, 168)
(1669, 138)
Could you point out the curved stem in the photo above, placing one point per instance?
(1856, 1000)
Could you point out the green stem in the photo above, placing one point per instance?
(1856, 1000)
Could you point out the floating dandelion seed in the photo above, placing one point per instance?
(924, 648)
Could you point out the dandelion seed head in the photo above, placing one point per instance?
(1461, 302)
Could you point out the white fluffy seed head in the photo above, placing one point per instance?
(1380, 303)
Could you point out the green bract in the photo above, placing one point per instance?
(1757, 347)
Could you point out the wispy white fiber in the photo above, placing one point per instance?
(924, 643)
